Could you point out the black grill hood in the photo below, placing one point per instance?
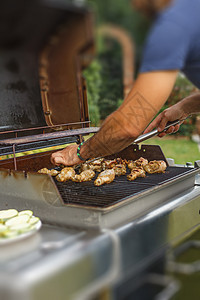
(25, 27)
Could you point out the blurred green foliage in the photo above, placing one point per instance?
(183, 88)
(104, 75)
(94, 84)
(104, 82)
(121, 13)
(111, 73)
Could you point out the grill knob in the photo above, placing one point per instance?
(189, 164)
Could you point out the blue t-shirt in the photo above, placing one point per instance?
(174, 40)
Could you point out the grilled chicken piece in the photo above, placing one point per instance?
(97, 161)
(109, 164)
(119, 169)
(66, 174)
(120, 161)
(101, 164)
(84, 167)
(68, 171)
(155, 166)
(141, 162)
(106, 176)
(47, 171)
(95, 165)
(96, 168)
(86, 175)
(77, 177)
(53, 172)
(136, 172)
(43, 171)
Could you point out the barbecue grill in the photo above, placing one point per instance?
(110, 241)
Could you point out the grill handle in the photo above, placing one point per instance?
(148, 135)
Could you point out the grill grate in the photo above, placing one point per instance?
(87, 195)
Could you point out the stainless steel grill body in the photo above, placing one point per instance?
(80, 263)
(84, 205)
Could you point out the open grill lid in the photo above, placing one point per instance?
(43, 47)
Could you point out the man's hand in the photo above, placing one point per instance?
(67, 156)
(170, 114)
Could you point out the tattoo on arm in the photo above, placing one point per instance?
(136, 111)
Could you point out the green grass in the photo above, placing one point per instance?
(181, 150)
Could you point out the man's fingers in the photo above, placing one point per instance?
(57, 159)
(171, 129)
(153, 124)
(66, 156)
(161, 134)
(162, 124)
(168, 131)
(176, 127)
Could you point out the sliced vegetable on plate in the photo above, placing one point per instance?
(26, 212)
(7, 214)
(14, 224)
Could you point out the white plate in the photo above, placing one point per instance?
(5, 241)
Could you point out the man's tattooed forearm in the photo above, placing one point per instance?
(105, 140)
(137, 111)
(113, 136)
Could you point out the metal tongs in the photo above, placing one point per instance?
(143, 137)
(154, 132)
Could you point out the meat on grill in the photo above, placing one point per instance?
(119, 169)
(106, 176)
(155, 166)
(66, 174)
(112, 168)
(109, 164)
(136, 172)
(95, 165)
(86, 175)
(101, 164)
(47, 171)
(141, 162)
(97, 162)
